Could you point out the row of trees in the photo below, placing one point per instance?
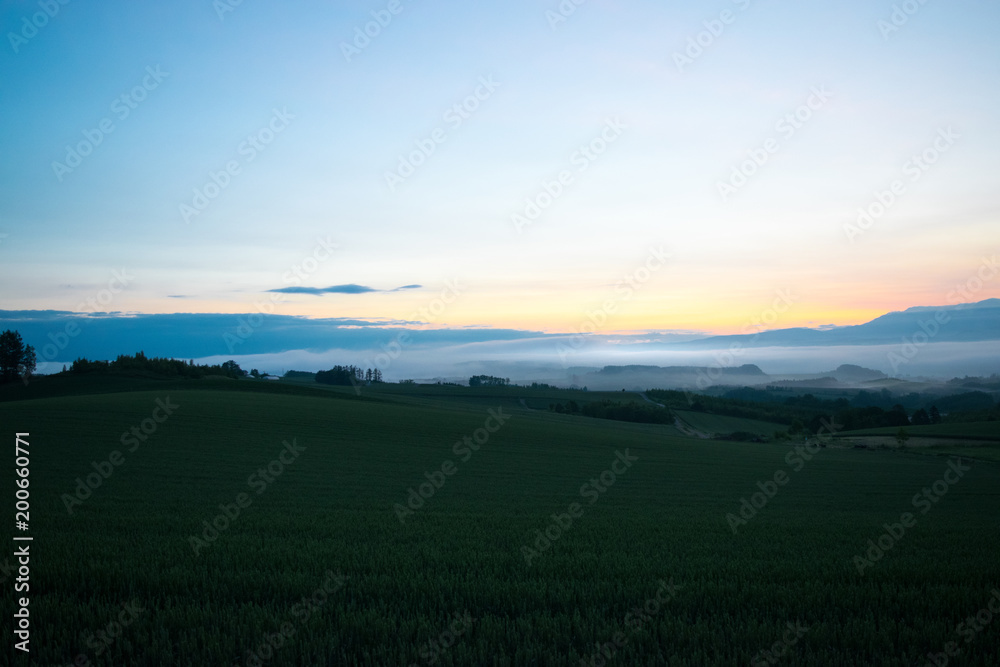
(162, 366)
(488, 381)
(805, 414)
(18, 360)
(912, 401)
(349, 375)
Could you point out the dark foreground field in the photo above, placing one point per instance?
(310, 562)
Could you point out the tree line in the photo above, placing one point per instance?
(630, 411)
(488, 381)
(806, 413)
(349, 375)
(140, 363)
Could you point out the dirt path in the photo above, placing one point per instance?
(687, 429)
(679, 424)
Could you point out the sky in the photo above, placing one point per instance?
(610, 166)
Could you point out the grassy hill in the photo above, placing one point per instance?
(331, 512)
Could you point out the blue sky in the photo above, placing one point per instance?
(321, 179)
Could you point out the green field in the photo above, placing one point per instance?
(329, 513)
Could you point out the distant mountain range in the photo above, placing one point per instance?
(954, 340)
(953, 324)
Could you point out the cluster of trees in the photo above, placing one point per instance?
(349, 375)
(912, 401)
(140, 363)
(571, 408)
(745, 436)
(17, 360)
(617, 410)
(488, 381)
(805, 413)
(774, 411)
(923, 417)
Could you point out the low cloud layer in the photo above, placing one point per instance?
(943, 342)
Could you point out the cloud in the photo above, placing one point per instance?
(350, 288)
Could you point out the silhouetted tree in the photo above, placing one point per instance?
(231, 369)
(16, 358)
(896, 416)
(935, 415)
(920, 418)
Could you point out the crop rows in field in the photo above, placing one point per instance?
(319, 563)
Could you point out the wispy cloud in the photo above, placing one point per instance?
(350, 288)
